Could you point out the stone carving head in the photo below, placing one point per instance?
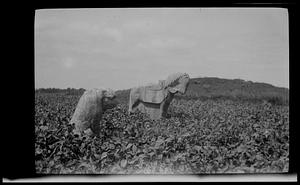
(177, 82)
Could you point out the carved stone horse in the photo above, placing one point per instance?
(154, 99)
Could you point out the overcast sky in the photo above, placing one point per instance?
(123, 48)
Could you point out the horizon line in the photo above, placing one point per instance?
(199, 76)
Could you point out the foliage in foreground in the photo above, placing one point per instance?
(211, 136)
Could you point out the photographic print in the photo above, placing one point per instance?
(161, 91)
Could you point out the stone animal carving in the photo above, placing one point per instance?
(154, 99)
(89, 110)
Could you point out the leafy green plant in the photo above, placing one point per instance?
(202, 136)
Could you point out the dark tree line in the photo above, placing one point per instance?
(71, 91)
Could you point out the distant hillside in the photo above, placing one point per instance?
(212, 87)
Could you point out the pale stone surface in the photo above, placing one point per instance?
(90, 107)
(155, 99)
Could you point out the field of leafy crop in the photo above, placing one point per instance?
(200, 137)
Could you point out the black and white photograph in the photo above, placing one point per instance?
(161, 91)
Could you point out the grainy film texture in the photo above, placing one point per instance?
(161, 91)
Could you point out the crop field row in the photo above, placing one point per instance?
(198, 137)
